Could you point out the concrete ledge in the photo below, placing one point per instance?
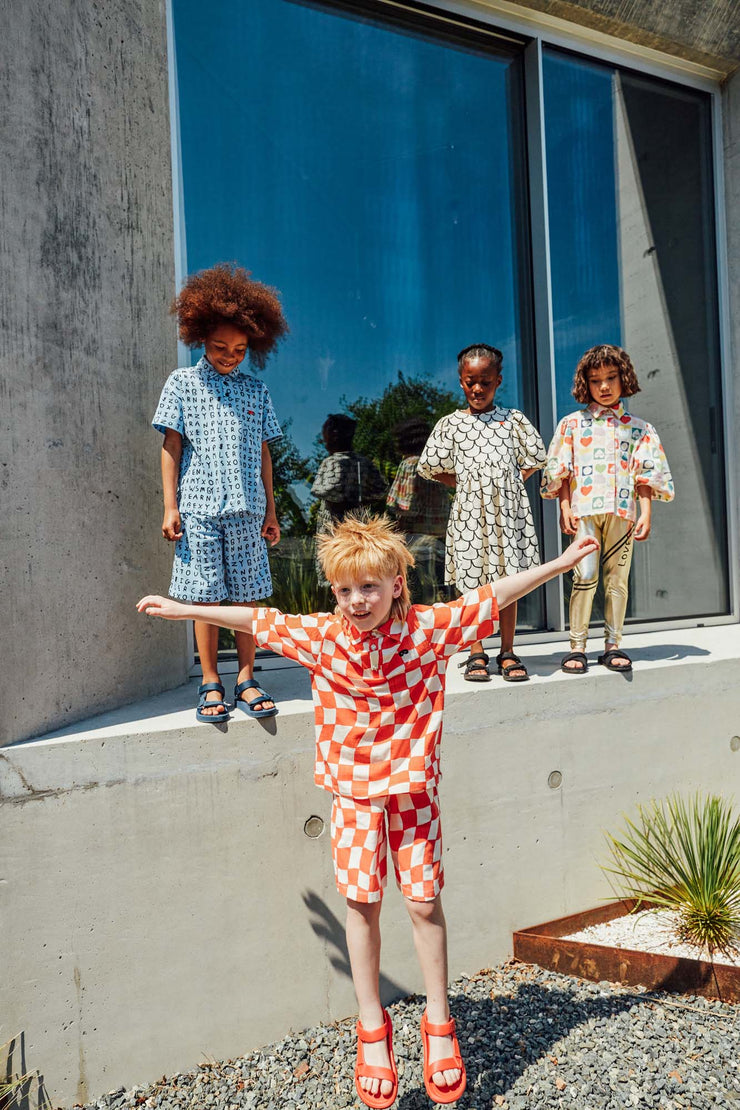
(161, 882)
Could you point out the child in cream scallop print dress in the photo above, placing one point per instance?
(486, 453)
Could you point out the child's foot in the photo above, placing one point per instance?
(249, 693)
(444, 1071)
(614, 659)
(376, 1076)
(441, 1048)
(211, 705)
(575, 662)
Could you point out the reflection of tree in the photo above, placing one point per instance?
(288, 466)
(400, 400)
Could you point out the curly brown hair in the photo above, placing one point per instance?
(604, 355)
(226, 294)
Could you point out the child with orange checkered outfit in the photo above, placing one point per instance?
(377, 670)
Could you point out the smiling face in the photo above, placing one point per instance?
(605, 385)
(479, 378)
(226, 347)
(366, 601)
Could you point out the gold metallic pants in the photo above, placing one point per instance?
(615, 536)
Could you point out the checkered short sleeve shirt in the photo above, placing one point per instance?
(378, 696)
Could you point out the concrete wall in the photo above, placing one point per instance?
(731, 112)
(167, 902)
(86, 275)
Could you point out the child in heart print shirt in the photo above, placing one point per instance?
(603, 461)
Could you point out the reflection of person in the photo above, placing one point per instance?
(486, 452)
(378, 674)
(344, 480)
(420, 507)
(600, 460)
(216, 467)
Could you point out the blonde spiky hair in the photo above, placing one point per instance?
(363, 544)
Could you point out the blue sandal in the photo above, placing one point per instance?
(249, 706)
(221, 705)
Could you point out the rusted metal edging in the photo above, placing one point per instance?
(545, 946)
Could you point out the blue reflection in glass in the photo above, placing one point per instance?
(584, 254)
(367, 173)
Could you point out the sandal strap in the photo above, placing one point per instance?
(446, 1029)
(447, 1063)
(615, 653)
(208, 686)
(508, 656)
(250, 684)
(479, 656)
(369, 1036)
(577, 656)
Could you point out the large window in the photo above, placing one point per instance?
(375, 171)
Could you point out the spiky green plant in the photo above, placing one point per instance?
(685, 856)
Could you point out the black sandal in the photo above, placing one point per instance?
(575, 657)
(476, 667)
(517, 665)
(607, 660)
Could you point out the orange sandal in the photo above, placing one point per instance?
(370, 1071)
(448, 1063)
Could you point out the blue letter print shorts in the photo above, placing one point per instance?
(221, 558)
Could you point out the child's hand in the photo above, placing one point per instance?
(568, 520)
(155, 606)
(172, 525)
(642, 528)
(271, 529)
(578, 550)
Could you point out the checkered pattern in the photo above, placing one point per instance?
(362, 829)
(378, 696)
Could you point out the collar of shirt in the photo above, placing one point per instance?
(391, 629)
(617, 411)
(204, 364)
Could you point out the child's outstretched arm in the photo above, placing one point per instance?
(238, 617)
(514, 586)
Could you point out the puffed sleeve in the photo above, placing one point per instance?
(270, 427)
(649, 466)
(559, 463)
(472, 617)
(169, 412)
(330, 482)
(531, 454)
(438, 455)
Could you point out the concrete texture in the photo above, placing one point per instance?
(86, 275)
(731, 119)
(167, 903)
(708, 33)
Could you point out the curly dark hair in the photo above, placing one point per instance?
(410, 435)
(604, 355)
(226, 294)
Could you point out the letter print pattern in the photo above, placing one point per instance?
(490, 531)
(223, 419)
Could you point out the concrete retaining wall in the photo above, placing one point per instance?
(166, 902)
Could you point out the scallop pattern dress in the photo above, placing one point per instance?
(490, 532)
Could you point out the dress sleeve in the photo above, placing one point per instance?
(531, 453)
(451, 624)
(299, 638)
(649, 466)
(270, 427)
(559, 463)
(438, 454)
(169, 412)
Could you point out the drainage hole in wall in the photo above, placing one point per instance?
(735, 744)
(554, 779)
(314, 827)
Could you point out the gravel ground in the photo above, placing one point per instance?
(530, 1039)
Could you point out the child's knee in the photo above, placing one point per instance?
(424, 911)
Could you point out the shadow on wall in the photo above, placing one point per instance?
(327, 926)
(20, 1089)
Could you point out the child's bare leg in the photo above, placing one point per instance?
(430, 939)
(507, 629)
(206, 640)
(245, 651)
(363, 945)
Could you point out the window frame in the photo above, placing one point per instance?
(534, 30)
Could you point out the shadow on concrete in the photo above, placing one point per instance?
(327, 927)
(22, 1090)
(514, 1032)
